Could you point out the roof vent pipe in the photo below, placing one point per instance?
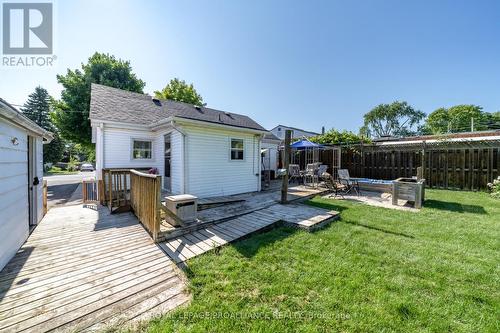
(156, 101)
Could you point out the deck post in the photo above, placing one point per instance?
(286, 162)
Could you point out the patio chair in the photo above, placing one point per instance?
(345, 179)
(336, 188)
(321, 169)
(293, 173)
(310, 174)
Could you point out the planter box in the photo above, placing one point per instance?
(409, 189)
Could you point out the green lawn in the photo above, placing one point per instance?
(375, 270)
(58, 171)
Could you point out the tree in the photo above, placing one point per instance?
(53, 152)
(459, 118)
(37, 108)
(395, 119)
(334, 136)
(437, 122)
(72, 111)
(179, 90)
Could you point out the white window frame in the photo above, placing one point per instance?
(132, 156)
(236, 149)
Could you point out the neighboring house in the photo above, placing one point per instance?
(297, 133)
(21, 175)
(197, 150)
(270, 150)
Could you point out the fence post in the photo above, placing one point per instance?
(286, 162)
(423, 160)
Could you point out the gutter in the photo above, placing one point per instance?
(9, 112)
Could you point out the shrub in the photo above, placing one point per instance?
(495, 188)
(73, 164)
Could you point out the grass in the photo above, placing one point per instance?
(58, 171)
(375, 270)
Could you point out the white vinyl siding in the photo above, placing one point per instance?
(210, 169)
(118, 148)
(13, 190)
(176, 164)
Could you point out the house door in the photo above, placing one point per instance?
(32, 182)
(167, 183)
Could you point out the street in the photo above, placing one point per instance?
(62, 187)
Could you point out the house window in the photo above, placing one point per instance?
(237, 149)
(141, 149)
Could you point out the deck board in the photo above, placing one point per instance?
(85, 269)
(297, 215)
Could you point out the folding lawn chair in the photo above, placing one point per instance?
(345, 179)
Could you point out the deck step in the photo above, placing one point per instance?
(199, 241)
(174, 233)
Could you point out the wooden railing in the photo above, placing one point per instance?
(116, 183)
(89, 191)
(145, 200)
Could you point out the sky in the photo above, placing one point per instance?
(305, 64)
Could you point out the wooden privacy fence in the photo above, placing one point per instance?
(465, 168)
(145, 200)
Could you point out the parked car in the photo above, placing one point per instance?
(86, 167)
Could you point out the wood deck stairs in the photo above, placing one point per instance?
(190, 244)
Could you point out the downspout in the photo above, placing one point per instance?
(184, 165)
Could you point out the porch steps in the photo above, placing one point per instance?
(199, 241)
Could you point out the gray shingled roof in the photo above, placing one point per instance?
(271, 136)
(113, 104)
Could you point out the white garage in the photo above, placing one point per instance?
(21, 173)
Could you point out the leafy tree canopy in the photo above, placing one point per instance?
(72, 111)
(179, 90)
(459, 118)
(37, 108)
(395, 119)
(334, 137)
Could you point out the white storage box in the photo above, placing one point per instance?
(184, 206)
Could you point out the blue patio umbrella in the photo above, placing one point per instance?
(304, 144)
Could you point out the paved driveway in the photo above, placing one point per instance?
(62, 187)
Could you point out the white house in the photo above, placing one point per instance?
(197, 150)
(297, 133)
(21, 175)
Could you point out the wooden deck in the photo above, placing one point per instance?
(236, 205)
(202, 240)
(84, 269)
